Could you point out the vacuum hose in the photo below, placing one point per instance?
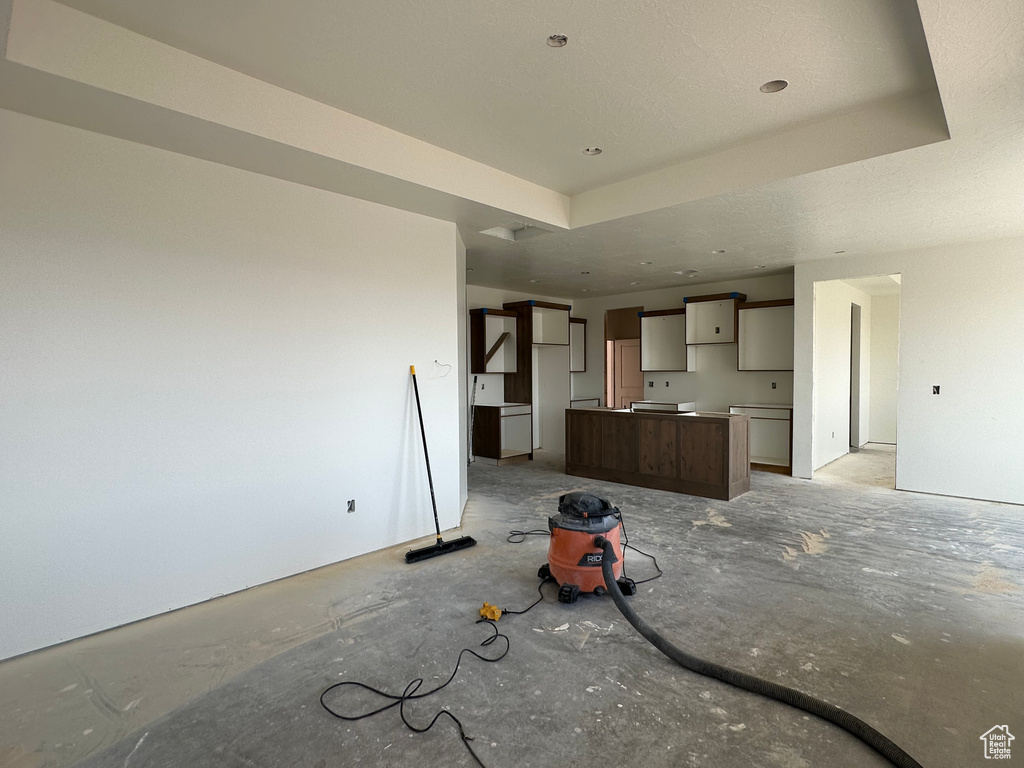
(824, 710)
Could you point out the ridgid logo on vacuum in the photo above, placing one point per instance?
(997, 742)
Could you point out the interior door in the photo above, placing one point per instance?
(629, 379)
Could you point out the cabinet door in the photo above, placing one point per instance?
(766, 339)
(577, 347)
(711, 322)
(550, 326)
(663, 343)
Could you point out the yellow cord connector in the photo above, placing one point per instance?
(491, 612)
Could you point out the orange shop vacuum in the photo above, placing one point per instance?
(574, 562)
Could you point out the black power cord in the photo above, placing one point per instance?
(518, 537)
(540, 591)
(410, 692)
(627, 545)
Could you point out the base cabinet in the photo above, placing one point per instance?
(771, 435)
(703, 454)
(503, 432)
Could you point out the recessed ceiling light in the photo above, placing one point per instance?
(592, 151)
(635, 283)
(584, 273)
(469, 269)
(686, 272)
(535, 281)
(719, 250)
(760, 266)
(557, 41)
(646, 263)
(585, 290)
(839, 251)
(774, 86)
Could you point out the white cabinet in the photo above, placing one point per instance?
(771, 434)
(577, 345)
(711, 322)
(550, 326)
(766, 337)
(662, 407)
(663, 340)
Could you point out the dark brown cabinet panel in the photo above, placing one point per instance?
(619, 444)
(584, 447)
(658, 451)
(707, 454)
(701, 458)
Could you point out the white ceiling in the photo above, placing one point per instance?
(652, 83)
(855, 156)
(877, 285)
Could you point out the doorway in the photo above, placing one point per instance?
(627, 379)
(855, 375)
(624, 381)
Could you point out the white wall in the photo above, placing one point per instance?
(960, 315)
(832, 309)
(198, 367)
(714, 384)
(462, 370)
(885, 348)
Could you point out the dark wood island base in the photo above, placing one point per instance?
(704, 454)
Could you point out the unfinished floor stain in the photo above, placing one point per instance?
(814, 543)
(810, 544)
(991, 581)
(715, 518)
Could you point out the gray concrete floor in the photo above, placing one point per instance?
(905, 609)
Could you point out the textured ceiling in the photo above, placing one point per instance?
(652, 83)
(967, 188)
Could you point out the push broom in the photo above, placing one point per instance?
(440, 547)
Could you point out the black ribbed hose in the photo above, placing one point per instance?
(824, 710)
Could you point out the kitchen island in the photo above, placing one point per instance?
(702, 454)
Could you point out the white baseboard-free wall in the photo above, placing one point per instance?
(960, 308)
(199, 366)
(885, 350)
(833, 301)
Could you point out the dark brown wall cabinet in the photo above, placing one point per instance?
(492, 341)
